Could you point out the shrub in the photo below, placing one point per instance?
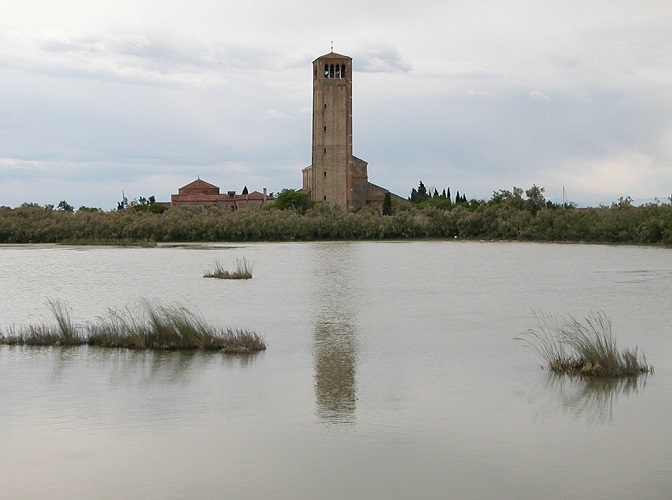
(243, 271)
(585, 348)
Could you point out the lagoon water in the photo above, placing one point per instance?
(391, 372)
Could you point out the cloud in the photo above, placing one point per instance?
(380, 59)
(477, 95)
(535, 95)
(274, 114)
(603, 179)
(134, 58)
(473, 96)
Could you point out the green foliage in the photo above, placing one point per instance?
(88, 209)
(292, 199)
(243, 271)
(585, 347)
(65, 207)
(387, 204)
(152, 326)
(424, 197)
(149, 205)
(535, 199)
(508, 215)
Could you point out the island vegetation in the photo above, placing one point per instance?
(585, 348)
(148, 325)
(243, 271)
(516, 215)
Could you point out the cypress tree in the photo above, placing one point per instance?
(422, 190)
(387, 204)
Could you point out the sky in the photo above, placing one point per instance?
(145, 96)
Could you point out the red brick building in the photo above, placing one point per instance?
(202, 194)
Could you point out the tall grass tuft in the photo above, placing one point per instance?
(149, 326)
(169, 327)
(63, 333)
(585, 347)
(243, 271)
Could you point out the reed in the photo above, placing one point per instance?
(169, 327)
(149, 326)
(63, 333)
(243, 271)
(585, 347)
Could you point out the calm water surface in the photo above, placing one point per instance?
(391, 372)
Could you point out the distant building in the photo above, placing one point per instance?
(335, 175)
(202, 194)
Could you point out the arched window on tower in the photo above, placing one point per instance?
(326, 71)
(342, 70)
(338, 71)
(331, 71)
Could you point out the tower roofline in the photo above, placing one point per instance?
(333, 55)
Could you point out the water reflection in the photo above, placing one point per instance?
(592, 399)
(335, 332)
(129, 365)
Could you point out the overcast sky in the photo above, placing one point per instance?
(100, 97)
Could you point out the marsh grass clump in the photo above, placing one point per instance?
(243, 271)
(169, 327)
(585, 347)
(149, 326)
(63, 333)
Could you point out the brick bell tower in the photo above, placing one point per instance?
(331, 178)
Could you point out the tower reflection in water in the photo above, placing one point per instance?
(335, 305)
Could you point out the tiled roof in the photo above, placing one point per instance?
(199, 184)
(333, 55)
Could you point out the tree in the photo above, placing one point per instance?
(292, 199)
(245, 190)
(422, 190)
(535, 198)
(65, 207)
(414, 196)
(147, 205)
(387, 204)
(513, 199)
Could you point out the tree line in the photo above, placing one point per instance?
(522, 215)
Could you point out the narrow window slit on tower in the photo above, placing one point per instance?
(325, 174)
